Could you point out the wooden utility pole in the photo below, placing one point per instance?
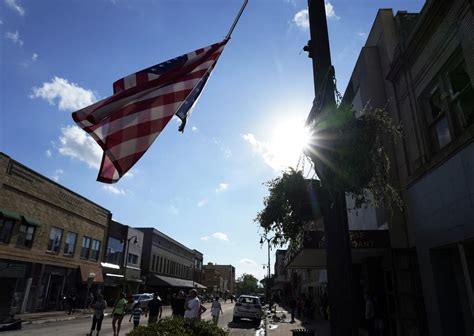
(338, 248)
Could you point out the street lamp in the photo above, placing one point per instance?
(125, 259)
(268, 240)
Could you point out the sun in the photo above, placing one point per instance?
(289, 139)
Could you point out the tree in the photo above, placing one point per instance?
(247, 284)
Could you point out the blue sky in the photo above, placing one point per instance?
(203, 187)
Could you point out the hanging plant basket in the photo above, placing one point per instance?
(353, 153)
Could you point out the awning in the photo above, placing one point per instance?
(91, 271)
(31, 220)
(10, 214)
(165, 281)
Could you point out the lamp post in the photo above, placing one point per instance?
(125, 259)
(268, 240)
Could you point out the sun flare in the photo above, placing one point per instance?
(289, 140)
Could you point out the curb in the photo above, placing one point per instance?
(60, 319)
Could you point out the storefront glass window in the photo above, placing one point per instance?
(114, 254)
(95, 250)
(86, 247)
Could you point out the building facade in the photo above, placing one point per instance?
(51, 241)
(432, 77)
(227, 272)
(167, 264)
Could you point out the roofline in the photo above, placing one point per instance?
(166, 236)
(54, 182)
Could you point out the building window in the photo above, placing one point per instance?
(6, 225)
(449, 104)
(132, 259)
(114, 253)
(54, 239)
(86, 247)
(70, 243)
(25, 235)
(95, 250)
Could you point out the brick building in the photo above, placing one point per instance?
(221, 277)
(51, 241)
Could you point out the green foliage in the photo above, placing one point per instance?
(357, 155)
(354, 157)
(247, 284)
(179, 326)
(292, 202)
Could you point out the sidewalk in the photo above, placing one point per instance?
(55, 316)
(284, 327)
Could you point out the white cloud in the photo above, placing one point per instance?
(205, 238)
(268, 153)
(56, 175)
(14, 37)
(202, 203)
(71, 97)
(226, 151)
(330, 13)
(301, 19)
(131, 173)
(49, 153)
(222, 187)
(13, 4)
(194, 129)
(220, 236)
(114, 190)
(75, 143)
(247, 261)
(34, 57)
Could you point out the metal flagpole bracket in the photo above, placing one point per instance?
(236, 19)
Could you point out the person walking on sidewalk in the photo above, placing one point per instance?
(193, 306)
(178, 304)
(98, 306)
(136, 314)
(216, 309)
(118, 313)
(155, 309)
(292, 309)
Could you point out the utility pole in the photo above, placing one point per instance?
(338, 248)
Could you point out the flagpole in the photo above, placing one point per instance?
(236, 19)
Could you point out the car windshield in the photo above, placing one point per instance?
(246, 299)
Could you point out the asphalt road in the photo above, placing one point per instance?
(81, 326)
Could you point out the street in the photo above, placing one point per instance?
(81, 326)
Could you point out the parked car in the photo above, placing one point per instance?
(248, 306)
(142, 299)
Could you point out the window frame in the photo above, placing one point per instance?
(449, 104)
(66, 244)
(28, 226)
(58, 246)
(85, 238)
(92, 250)
(130, 258)
(8, 236)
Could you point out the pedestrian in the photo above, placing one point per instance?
(98, 306)
(136, 314)
(292, 309)
(216, 309)
(325, 306)
(232, 297)
(193, 306)
(120, 308)
(90, 301)
(369, 314)
(300, 307)
(178, 304)
(155, 309)
(72, 300)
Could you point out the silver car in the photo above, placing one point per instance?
(248, 306)
(142, 299)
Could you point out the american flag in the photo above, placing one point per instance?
(126, 124)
